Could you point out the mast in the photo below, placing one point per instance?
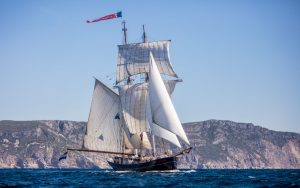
(153, 142)
(146, 80)
(124, 32)
(124, 42)
(144, 35)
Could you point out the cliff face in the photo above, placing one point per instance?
(226, 144)
(39, 144)
(216, 144)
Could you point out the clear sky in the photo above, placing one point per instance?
(239, 60)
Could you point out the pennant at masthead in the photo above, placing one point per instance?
(107, 17)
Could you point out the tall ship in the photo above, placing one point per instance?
(135, 122)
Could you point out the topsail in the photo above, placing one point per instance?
(134, 59)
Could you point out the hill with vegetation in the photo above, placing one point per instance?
(216, 144)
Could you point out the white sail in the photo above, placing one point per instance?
(133, 102)
(159, 131)
(165, 134)
(170, 85)
(140, 141)
(135, 141)
(104, 126)
(134, 59)
(162, 109)
(127, 143)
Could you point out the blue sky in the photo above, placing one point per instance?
(240, 60)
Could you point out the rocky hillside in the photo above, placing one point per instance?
(226, 144)
(216, 144)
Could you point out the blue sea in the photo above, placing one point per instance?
(175, 178)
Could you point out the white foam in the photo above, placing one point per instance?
(124, 171)
(189, 171)
(164, 171)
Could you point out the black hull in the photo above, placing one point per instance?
(167, 163)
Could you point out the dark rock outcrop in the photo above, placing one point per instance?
(216, 144)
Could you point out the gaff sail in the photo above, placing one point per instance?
(104, 128)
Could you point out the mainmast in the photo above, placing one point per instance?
(124, 32)
(146, 80)
(144, 35)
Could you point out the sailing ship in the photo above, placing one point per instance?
(129, 123)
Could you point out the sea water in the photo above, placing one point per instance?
(175, 178)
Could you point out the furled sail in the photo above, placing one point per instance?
(134, 59)
(133, 103)
(162, 109)
(104, 127)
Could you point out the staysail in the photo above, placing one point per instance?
(104, 127)
(134, 59)
(159, 131)
(163, 111)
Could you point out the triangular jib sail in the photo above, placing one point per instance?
(163, 111)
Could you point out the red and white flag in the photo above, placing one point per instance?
(108, 17)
